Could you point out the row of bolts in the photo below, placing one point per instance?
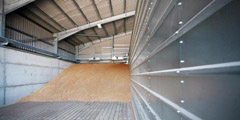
(181, 61)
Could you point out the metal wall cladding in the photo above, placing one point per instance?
(214, 40)
(16, 21)
(169, 25)
(196, 75)
(105, 50)
(66, 53)
(66, 49)
(20, 29)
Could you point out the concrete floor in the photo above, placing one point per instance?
(69, 110)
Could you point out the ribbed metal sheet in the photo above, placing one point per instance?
(184, 60)
(67, 110)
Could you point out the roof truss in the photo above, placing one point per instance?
(64, 34)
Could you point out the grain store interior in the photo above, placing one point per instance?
(119, 59)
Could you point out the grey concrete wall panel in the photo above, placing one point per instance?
(18, 57)
(22, 74)
(26, 73)
(15, 93)
(64, 64)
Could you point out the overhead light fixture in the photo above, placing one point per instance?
(94, 59)
(97, 58)
(114, 58)
(120, 58)
(99, 25)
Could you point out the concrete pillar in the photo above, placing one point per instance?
(2, 19)
(76, 51)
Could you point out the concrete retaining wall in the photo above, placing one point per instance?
(23, 73)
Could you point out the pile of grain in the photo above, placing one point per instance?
(87, 82)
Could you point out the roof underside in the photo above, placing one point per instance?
(60, 15)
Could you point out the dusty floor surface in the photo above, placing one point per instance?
(87, 82)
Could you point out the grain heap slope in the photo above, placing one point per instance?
(87, 82)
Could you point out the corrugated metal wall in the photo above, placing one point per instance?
(106, 49)
(66, 49)
(185, 59)
(23, 30)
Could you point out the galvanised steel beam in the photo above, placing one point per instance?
(2, 19)
(96, 33)
(212, 68)
(76, 52)
(34, 38)
(26, 17)
(115, 28)
(108, 38)
(95, 6)
(46, 15)
(111, 8)
(34, 49)
(11, 5)
(3, 66)
(90, 35)
(66, 15)
(71, 39)
(89, 39)
(80, 10)
(67, 33)
(124, 25)
(124, 20)
(77, 40)
(39, 18)
(114, 24)
(70, 42)
(105, 31)
(29, 35)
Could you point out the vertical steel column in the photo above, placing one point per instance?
(76, 52)
(2, 34)
(55, 46)
(113, 48)
(2, 19)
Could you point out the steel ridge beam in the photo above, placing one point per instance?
(64, 34)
